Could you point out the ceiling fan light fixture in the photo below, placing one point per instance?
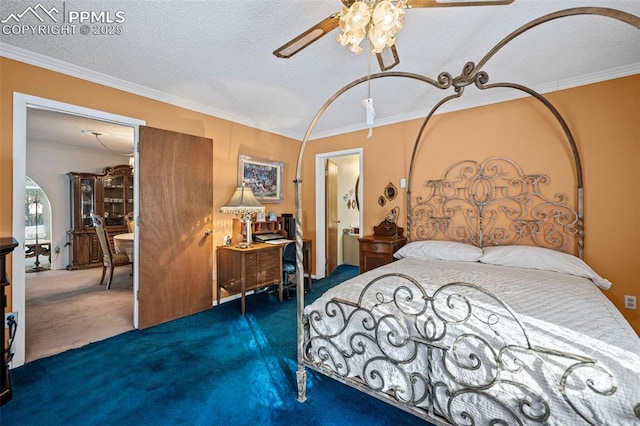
(353, 39)
(353, 23)
(358, 15)
(380, 39)
(387, 17)
(380, 19)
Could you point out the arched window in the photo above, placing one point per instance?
(37, 220)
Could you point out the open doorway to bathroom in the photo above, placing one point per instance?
(338, 209)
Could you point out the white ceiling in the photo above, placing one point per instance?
(216, 57)
(52, 129)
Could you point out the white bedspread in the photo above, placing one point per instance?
(559, 313)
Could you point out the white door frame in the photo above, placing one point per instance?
(21, 103)
(320, 238)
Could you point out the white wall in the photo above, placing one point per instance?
(48, 165)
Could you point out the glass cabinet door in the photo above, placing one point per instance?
(129, 208)
(114, 200)
(87, 200)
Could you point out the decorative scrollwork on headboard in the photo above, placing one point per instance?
(493, 203)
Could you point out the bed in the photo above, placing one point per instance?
(466, 330)
(481, 319)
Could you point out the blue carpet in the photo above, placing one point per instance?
(215, 367)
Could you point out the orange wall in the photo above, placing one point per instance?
(605, 123)
(603, 118)
(229, 139)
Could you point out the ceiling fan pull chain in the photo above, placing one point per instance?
(368, 102)
(371, 113)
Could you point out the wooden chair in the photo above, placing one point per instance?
(110, 259)
(128, 218)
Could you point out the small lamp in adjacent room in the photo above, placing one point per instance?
(243, 204)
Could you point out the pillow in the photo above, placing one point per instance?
(543, 259)
(440, 250)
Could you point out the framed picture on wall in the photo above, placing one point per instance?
(263, 176)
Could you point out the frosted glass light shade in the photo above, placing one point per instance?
(381, 19)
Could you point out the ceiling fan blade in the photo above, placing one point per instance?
(306, 38)
(456, 3)
(388, 58)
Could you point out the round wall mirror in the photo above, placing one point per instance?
(390, 191)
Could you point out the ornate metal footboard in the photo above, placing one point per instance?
(458, 356)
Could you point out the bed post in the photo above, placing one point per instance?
(301, 374)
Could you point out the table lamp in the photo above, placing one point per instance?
(243, 204)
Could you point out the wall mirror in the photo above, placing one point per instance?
(390, 191)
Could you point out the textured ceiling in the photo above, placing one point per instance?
(216, 56)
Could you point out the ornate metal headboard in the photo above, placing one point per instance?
(494, 203)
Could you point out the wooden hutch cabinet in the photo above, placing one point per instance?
(275, 227)
(109, 195)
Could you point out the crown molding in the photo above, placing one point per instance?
(42, 61)
(488, 98)
(56, 65)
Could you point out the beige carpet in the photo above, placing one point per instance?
(68, 309)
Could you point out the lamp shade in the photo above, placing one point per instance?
(242, 202)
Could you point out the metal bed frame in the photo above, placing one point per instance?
(482, 203)
(461, 329)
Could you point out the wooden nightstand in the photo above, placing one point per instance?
(377, 250)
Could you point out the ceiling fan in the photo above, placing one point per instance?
(381, 19)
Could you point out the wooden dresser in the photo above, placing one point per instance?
(241, 270)
(378, 250)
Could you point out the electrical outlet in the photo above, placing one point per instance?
(7, 315)
(630, 302)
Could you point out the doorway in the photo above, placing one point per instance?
(21, 106)
(349, 190)
(65, 308)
